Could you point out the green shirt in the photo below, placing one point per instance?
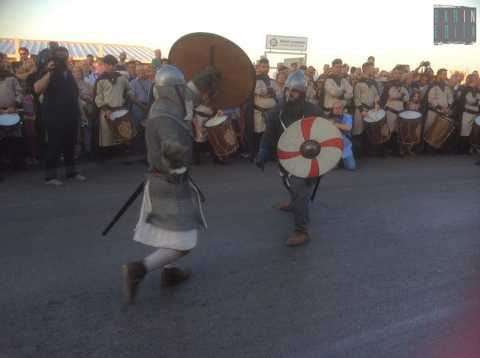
(156, 63)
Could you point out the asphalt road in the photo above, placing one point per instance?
(392, 271)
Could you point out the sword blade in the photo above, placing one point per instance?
(124, 208)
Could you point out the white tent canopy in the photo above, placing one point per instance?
(78, 50)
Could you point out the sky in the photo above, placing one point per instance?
(391, 30)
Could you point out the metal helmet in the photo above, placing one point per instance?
(296, 81)
(168, 75)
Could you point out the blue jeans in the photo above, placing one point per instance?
(349, 163)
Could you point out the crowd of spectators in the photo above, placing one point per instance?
(59, 102)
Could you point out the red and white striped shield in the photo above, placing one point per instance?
(310, 147)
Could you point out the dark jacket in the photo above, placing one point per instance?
(60, 99)
(274, 127)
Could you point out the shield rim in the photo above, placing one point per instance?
(283, 162)
(197, 34)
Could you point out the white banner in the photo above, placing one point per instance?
(286, 43)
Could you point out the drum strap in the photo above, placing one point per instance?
(436, 111)
(364, 106)
(261, 109)
(202, 114)
(392, 110)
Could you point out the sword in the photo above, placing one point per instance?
(124, 208)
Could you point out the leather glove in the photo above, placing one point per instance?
(207, 80)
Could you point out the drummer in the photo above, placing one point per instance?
(394, 98)
(264, 100)
(201, 114)
(439, 97)
(11, 98)
(471, 110)
(414, 104)
(109, 93)
(366, 97)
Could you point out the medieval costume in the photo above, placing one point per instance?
(264, 100)
(11, 97)
(111, 92)
(336, 88)
(365, 98)
(471, 110)
(294, 108)
(171, 212)
(394, 98)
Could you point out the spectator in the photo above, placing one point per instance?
(326, 70)
(157, 61)
(310, 73)
(26, 74)
(60, 115)
(27, 65)
(141, 87)
(98, 69)
(131, 69)
(87, 110)
(89, 67)
(311, 94)
(280, 85)
(343, 121)
(150, 70)
(371, 60)
(122, 65)
(165, 61)
(10, 100)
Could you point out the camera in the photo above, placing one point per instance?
(45, 56)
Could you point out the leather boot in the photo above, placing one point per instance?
(297, 238)
(133, 274)
(172, 276)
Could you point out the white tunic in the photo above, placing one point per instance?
(153, 236)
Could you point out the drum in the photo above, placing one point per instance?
(475, 135)
(9, 125)
(410, 127)
(122, 124)
(376, 127)
(441, 128)
(221, 136)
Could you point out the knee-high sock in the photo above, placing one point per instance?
(158, 259)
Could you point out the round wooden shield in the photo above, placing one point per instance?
(310, 147)
(193, 52)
